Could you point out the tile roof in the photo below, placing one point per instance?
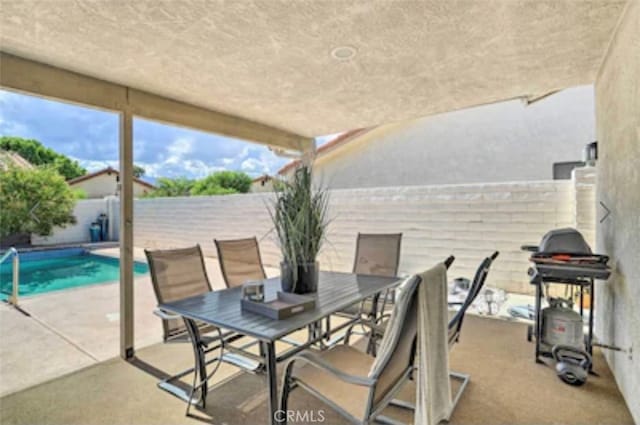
(108, 170)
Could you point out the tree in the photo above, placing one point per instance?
(138, 171)
(222, 183)
(79, 193)
(236, 180)
(38, 154)
(34, 201)
(205, 188)
(165, 187)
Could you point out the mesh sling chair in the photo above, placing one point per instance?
(240, 261)
(454, 329)
(177, 274)
(355, 384)
(376, 254)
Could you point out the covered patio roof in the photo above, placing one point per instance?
(286, 64)
(282, 72)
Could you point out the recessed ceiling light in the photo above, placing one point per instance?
(343, 53)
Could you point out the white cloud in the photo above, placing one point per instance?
(266, 162)
(92, 165)
(251, 165)
(13, 128)
(179, 162)
(91, 137)
(181, 147)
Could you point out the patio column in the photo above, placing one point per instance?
(126, 235)
(309, 153)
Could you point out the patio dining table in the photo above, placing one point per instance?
(336, 291)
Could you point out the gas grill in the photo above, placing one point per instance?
(563, 257)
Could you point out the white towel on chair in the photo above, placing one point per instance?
(388, 344)
(433, 392)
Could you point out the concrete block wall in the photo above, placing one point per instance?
(178, 222)
(468, 221)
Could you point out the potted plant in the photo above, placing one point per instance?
(299, 214)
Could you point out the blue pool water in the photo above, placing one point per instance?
(53, 270)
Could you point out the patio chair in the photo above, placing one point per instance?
(177, 274)
(355, 384)
(240, 261)
(455, 324)
(376, 254)
(454, 330)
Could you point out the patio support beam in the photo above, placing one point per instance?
(36, 78)
(126, 236)
(309, 154)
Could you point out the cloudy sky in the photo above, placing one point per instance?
(91, 137)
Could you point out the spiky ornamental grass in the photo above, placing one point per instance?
(300, 217)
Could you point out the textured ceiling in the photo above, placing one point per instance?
(269, 61)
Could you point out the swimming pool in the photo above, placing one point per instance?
(57, 269)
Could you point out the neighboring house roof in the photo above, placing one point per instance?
(331, 145)
(109, 171)
(262, 179)
(8, 158)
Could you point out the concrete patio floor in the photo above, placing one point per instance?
(507, 387)
(79, 327)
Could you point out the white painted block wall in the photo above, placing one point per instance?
(469, 221)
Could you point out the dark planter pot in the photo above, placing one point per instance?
(307, 280)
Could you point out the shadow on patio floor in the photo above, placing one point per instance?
(506, 387)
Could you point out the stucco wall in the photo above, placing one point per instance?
(501, 142)
(106, 185)
(618, 187)
(261, 186)
(469, 221)
(86, 211)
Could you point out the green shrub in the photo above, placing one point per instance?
(236, 180)
(34, 201)
(79, 193)
(166, 187)
(222, 183)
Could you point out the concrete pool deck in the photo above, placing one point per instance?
(79, 327)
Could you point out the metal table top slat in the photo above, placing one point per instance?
(336, 291)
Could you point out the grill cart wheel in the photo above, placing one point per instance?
(572, 364)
